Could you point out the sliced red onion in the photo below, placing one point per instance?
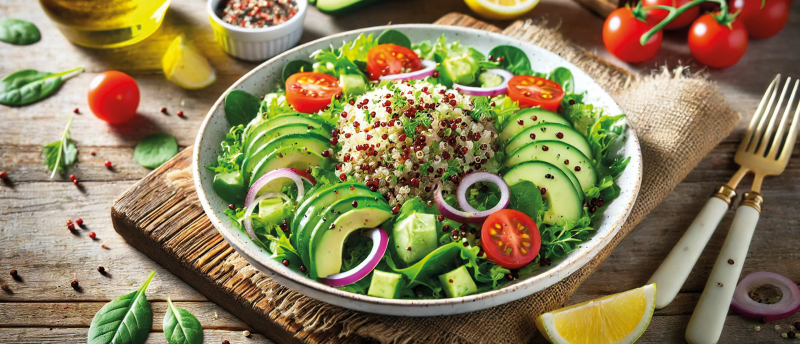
(453, 213)
(273, 175)
(476, 177)
(788, 305)
(488, 91)
(428, 68)
(380, 241)
(248, 225)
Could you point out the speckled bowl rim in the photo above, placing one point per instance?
(318, 291)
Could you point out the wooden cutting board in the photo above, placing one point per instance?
(156, 217)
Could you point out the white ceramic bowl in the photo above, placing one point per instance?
(257, 44)
(264, 78)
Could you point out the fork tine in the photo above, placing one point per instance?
(786, 152)
(776, 141)
(762, 148)
(758, 134)
(748, 135)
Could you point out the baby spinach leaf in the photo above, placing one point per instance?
(392, 36)
(527, 198)
(125, 320)
(61, 154)
(563, 77)
(513, 59)
(240, 107)
(181, 327)
(154, 150)
(28, 86)
(434, 264)
(18, 32)
(295, 66)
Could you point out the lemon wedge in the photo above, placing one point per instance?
(186, 67)
(618, 318)
(501, 9)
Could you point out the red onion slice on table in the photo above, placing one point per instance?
(380, 241)
(787, 306)
(488, 91)
(428, 68)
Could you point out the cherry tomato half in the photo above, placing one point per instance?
(386, 59)
(309, 92)
(535, 91)
(510, 238)
(113, 97)
(682, 20)
(761, 22)
(621, 33)
(716, 45)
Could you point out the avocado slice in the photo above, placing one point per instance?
(310, 140)
(569, 159)
(549, 131)
(268, 124)
(311, 211)
(458, 283)
(529, 118)
(415, 236)
(385, 285)
(563, 200)
(327, 240)
(260, 138)
(287, 157)
(229, 186)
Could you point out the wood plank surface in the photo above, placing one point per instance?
(33, 208)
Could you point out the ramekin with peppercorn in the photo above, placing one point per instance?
(257, 30)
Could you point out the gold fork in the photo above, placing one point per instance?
(764, 151)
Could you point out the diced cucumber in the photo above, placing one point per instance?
(458, 283)
(385, 285)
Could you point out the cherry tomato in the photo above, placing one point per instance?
(714, 44)
(622, 31)
(309, 92)
(682, 20)
(535, 91)
(386, 59)
(113, 97)
(510, 238)
(761, 23)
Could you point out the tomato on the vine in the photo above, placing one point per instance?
(386, 59)
(715, 44)
(535, 91)
(682, 20)
(623, 29)
(761, 22)
(510, 238)
(309, 92)
(113, 96)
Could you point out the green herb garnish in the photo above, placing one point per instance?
(61, 154)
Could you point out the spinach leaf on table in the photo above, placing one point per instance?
(392, 36)
(295, 66)
(28, 86)
(18, 32)
(181, 327)
(126, 319)
(241, 107)
(154, 150)
(513, 59)
(61, 154)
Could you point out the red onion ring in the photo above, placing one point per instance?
(475, 177)
(248, 224)
(429, 68)
(488, 91)
(788, 305)
(380, 241)
(453, 213)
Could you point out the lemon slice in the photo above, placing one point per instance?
(501, 9)
(618, 318)
(186, 67)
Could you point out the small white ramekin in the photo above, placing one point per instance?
(257, 44)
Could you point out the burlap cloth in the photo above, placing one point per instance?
(678, 117)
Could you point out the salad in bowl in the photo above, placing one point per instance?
(418, 170)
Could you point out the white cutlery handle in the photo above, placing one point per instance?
(708, 317)
(673, 271)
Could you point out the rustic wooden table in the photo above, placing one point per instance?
(42, 307)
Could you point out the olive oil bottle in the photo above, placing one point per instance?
(106, 23)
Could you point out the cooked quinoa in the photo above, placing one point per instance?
(401, 138)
